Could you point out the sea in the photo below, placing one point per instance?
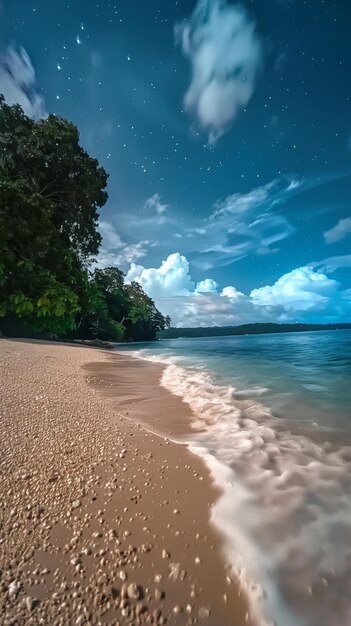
(272, 420)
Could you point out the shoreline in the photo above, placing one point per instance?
(95, 498)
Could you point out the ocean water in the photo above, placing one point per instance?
(272, 419)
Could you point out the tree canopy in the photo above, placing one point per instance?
(51, 192)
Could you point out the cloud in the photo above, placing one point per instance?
(110, 238)
(115, 252)
(332, 263)
(225, 55)
(243, 224)
(170, 279)
(206, 286)
(304, 294)
(238, 225)
(18, 82)
(154, 203)
(339, 231)
(302, 289)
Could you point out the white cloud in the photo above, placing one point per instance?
(332, 263)
(294, 184)
(225, 55)
(302, 289)
(231, 293)
(129, 254)
(240, 203)
(154, 203)
(206, 286)
(242, 224)
(339, 231)
(18, 82)
(170, 279)
(303, 294)
(110, 238)
(115, 252)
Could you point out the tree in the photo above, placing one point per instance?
(144, 319)
(50, 193)
(129, 314)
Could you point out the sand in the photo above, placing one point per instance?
(103, 521)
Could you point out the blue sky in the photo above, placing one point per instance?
(226, 130)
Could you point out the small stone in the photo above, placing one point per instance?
(29, 603)
(134, 591)
(204, 612)
(139, 609)
(76, 504)
(177, 609)
(14, 588)
(102, 580)
(197, 560)
(122, 575)
(80, 620)
(159, 595)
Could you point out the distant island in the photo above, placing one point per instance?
(247, 329)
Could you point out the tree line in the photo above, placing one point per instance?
(259, 328)
(51, 192)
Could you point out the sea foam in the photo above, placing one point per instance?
(285, 508)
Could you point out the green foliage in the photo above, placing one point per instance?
(128, 313)
(50, 194)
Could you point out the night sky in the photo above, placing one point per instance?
(226, 131)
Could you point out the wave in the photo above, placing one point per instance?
(285, 508)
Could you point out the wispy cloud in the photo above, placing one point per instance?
(117, 253)
(339, 231)
(244, 223)
(154, 203)
(18, 82)
(226, 55)
(332, 263)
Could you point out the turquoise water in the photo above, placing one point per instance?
(272, 419)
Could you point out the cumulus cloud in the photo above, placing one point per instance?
(225, 54)
(154, 203)
(339, 231)
(304, 294)
(302, 289)
(170, 279)
(208, 285)
(18, 82)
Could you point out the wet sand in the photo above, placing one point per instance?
(103, 521)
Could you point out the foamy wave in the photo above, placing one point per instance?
(285, 509)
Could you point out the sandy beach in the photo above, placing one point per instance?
(103, 520)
